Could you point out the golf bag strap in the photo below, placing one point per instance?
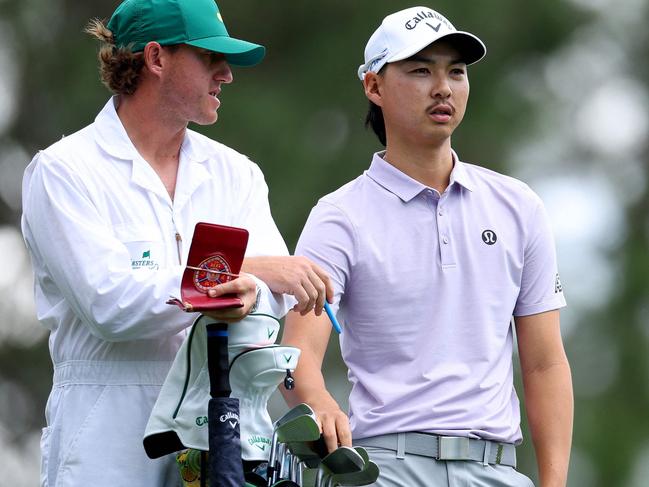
(445, 447)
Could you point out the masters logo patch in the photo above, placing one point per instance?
(145, 262)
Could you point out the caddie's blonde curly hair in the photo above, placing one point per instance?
(119, 67)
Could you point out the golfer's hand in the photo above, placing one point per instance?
(334, 426)
(245, 288)
(296, 276)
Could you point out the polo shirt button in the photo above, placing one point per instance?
(445, 240)
(440, 213)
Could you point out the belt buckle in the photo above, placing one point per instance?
(452, 448)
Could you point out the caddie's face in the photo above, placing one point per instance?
(424, 97)
(192, 84)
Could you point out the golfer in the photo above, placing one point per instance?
(430, 258)
(109, 214)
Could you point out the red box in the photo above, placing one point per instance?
(215, 257)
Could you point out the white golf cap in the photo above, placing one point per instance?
(405, 33)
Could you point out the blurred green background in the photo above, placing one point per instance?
(560, 101)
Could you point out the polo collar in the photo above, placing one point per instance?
(460, 174)
(405, 187)
(392, 179)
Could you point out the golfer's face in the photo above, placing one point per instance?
(424, 97)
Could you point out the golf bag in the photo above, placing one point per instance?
(179, 419)
(286, 453)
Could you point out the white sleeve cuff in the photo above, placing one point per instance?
(268, 302)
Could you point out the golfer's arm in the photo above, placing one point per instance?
(548, 394)
(309, 333)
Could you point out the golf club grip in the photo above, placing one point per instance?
(217, 359)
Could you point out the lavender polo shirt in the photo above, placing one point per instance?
(426, 285)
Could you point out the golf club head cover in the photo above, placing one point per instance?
(179, 416)
(254, 376)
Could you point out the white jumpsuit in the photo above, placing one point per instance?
(107, 246)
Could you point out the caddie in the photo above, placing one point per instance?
(431, 257)
(108, 216)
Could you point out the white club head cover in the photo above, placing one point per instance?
(254, 376)
(179, 417)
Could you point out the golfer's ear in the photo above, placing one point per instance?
(372, 84)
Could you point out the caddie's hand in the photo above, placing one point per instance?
(296, 276)
(334, 426)
(245, 288)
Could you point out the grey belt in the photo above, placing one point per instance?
(444, 447)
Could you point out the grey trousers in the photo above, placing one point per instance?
(419, 471)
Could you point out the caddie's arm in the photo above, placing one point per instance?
(310, 333)
(548, 394)
(297, 276)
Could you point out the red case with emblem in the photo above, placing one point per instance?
(214, 247)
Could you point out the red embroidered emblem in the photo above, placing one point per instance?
(204, 279)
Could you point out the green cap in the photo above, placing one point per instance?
(195, 22)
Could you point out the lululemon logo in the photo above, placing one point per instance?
(489, 237)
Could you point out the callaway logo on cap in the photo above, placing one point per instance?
(405, 33)
(195, 22)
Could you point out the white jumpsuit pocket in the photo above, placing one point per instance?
(81, 424)
(104, 447)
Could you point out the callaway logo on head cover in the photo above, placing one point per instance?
(231, 418)
(424, 16)
(260, 442)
